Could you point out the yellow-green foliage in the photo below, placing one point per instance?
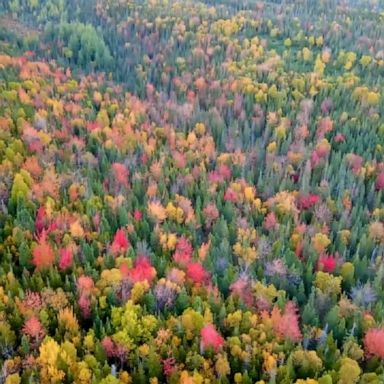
(328, 283)
(307, 363)
(349, 372)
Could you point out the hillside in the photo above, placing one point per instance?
(191, 192)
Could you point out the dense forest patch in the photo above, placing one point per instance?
(191, 191)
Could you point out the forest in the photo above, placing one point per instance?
(192, 191)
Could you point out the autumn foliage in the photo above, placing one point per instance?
(191, 192)
(43, 256)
